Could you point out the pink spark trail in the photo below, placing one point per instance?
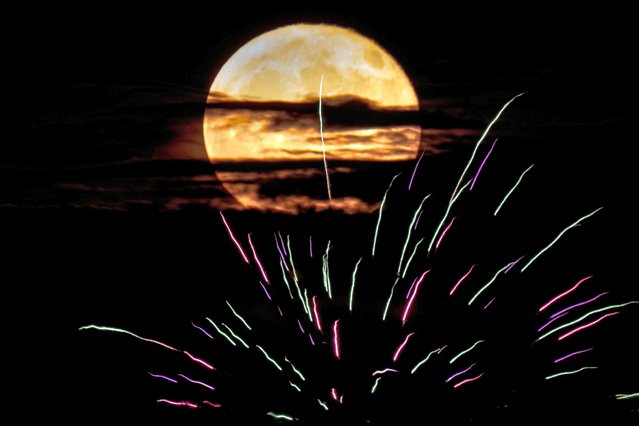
(409, 304)
(215, 405)
(318, 323)
(257, 260)
(310, 245)
(400, 348)
(235, 241)
(459, 373)
(178, 403)
(441, 237)
(452, 290)
(300, 325)
(557, 314)
(384, 371)
(583, 327)
(463, 382)
(203, 331)
(572, 354)
(565, 293)
(482, 165)
(199, 361)
(489, 303)
(336, 347)
(410, 183)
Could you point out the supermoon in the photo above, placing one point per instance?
(263, 104)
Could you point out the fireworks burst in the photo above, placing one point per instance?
(372, 330)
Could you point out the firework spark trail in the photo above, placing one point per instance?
(543, 327)
(558, 237)
(490, 125)
(481, 166)
(570, 355)
(422, 362)
(334, 394)
(295, 370)
(622, 396)
(159, 376)
(214, 405)
(410, 230)
(379, 216)
(120, 330)
(465, 351)
(386, 370)
(441, 237)
(197, 382)
(178, 403)
(257, 260)
(459, 373)
(203, 331)
(512, 264)
(585, 326)
(336, 348)
(200, 361)
(268, 295)
(417, 221)
(326, 271)
(411, 257)
(323, 404)
(318, 323)
(481, 290)
(512, 190)
(299, 323)
(565, 293)
(390, 297)
(219, 330)
(294, 386)
(308, 306)
(563, 311)
(350, 299)
(321, 127)
(310, 246)
(583, 317)
(374, 388)
(290, 257)
(409, 304)
(446, 213)
(410, 289)
(277, 416)
(490, 302)
(235, 336)
(285, 279)
(235, 241)
(463, 382)
(412, 177)
(310, 337)
(268, 357)
(239, 316)
(281, 253)
(279, 234)
(400, 348)
(567, 373)
(452, 290)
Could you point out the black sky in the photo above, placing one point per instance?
(91, 92)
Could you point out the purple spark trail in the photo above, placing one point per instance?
(556, 314)
(459, 373)
(400, 348)
(197, 382)
(452, 290)
(513, 264)
(565, 293)
(410, 183)
(266, 291)
(572, 354)
(489, 303)
(482, 165)
(159, 376)
(203, 331)
(583, 327)
(549, 322)
(235, 241)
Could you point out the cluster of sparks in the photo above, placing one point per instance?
(307, 308)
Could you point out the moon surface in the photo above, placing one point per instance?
(263, 105)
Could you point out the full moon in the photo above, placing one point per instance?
(263, 107)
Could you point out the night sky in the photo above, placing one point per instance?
(109, 215)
